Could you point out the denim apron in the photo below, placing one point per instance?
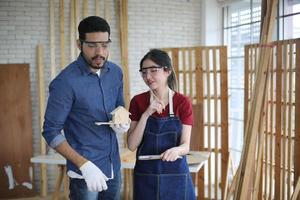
(157, 179)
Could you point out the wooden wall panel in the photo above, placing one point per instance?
(15, 132)
(297, 116)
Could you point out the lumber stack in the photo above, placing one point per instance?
(252, 148)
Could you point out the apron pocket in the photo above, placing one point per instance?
(173, 186)
(146, 186)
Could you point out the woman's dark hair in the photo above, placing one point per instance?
(92, 24)
(162, 59)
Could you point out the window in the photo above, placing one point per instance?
(241, 26)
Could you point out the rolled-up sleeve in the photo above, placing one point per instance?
(58, 107)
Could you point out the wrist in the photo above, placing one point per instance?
(81, 162)
(146, 115)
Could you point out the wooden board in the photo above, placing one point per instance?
(15, 131)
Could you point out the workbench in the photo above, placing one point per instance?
(195, 159)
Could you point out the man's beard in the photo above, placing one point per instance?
(90, 63)
(98, 66)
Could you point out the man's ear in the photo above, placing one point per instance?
(78, 44)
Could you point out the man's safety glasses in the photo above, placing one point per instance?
(96, 45)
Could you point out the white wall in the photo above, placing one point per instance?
(152, 23)
(156, 23)
(211, 15)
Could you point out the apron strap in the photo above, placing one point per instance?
(171, 112)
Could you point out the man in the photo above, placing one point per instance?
(86, 91)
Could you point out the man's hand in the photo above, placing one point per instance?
(94, 177)
(121, 128)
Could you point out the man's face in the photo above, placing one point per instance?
(95, 49)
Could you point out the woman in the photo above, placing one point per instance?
(161, 126)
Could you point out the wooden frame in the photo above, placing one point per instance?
(282, 111)
(202, 76)
(41, 93)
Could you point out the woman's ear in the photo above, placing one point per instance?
(168, 70)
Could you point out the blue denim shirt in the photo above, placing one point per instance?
(77, 99)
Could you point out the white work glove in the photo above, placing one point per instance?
(121, 128)
(94, 177)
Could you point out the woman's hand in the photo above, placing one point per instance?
(155, 106)
(171, 154)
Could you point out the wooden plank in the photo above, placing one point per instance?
(198, 77)
(62, 33)
(247, 77)
(278, 122)
(208, 121)
(72, 30)
(264, 150)
(296, 191)
(122, 22)
(124, 47)
(76, 18)
(190, 53)
(270, 189)
(97, 8)
(107, 14)
(233, 185)
(283, 110)
(260, 192)
(184, 70)
(258, 173)
(175, 58)
(224, 197)
(216, 142)
(118, 13)
(85, 8)
(267, 144)
(224, 113)
(66, 183)
(59, 181)
(200, 117)
(248, 153)
(41, 95)
(197, 144)
(297, 114)
(289, 118)
(52, 39)
(262, 140)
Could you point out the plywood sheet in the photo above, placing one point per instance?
(15, 132)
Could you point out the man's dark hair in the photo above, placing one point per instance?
(92, 24)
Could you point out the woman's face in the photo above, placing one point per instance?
(154, 75)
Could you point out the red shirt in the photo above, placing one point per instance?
(181, 105)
